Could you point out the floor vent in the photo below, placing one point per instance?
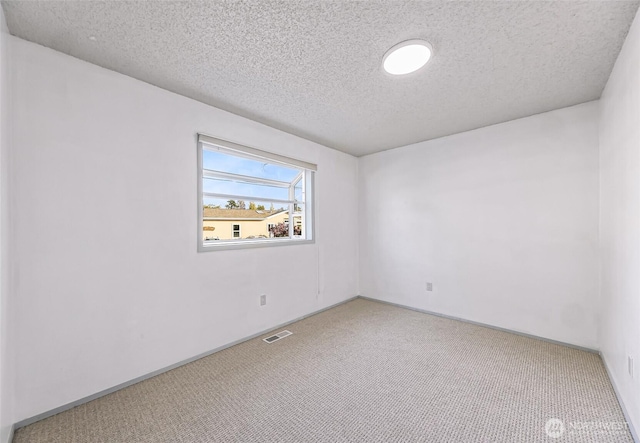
(277, 337)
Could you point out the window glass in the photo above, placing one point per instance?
(248, 200)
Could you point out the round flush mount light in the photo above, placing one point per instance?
(407, 57)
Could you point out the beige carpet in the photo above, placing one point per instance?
(361, 372)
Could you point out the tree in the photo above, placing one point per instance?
(280, 230)
(271, 208)
(252, 206)
(231, 204)
(260, 207)
(241, 204)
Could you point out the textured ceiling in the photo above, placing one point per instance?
(312, 68)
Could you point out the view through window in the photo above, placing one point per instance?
(251, 197)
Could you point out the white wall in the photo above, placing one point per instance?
(109, 285)
(6, 370)
(620, 221)
(503, 220)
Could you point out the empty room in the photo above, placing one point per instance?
(319, 221)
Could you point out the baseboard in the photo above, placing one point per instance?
(73, 404)
(9, 436)
(485, 325)
(632, 430)
(89, 398)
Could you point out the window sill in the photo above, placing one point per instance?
(228, 245)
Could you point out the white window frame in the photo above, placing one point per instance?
(307, 176)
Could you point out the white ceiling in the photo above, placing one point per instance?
(312, 68)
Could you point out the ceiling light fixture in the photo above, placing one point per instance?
(407, 57)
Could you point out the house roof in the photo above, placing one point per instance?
(237, 214)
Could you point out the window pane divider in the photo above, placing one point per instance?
(291, 210)
(295, 181)
(247, 198)
(208, 173)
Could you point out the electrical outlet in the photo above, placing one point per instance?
(630, 365)
(429, 286)
(263, 299)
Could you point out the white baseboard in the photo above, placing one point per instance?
(73, 404)
(6, 436)
(632, 430)
(627, 417)
(485, 325)
(89, 398)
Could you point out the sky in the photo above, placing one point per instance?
(219, 161)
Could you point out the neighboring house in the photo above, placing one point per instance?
(229, 224)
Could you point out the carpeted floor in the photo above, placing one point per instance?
(361, 372)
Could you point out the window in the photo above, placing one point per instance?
(247, 197)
